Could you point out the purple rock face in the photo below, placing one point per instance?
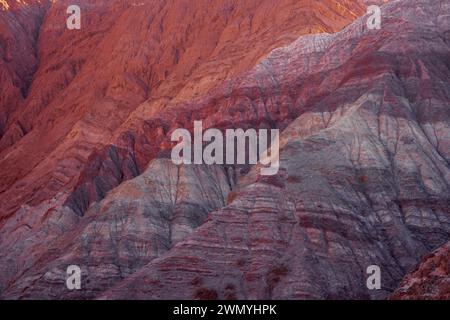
(364, 167)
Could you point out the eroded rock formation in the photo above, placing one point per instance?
(430, 280)
(365, 155)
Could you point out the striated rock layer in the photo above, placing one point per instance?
(364, 177)
(91, 84)
(97, 111)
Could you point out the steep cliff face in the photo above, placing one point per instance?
(364, 176)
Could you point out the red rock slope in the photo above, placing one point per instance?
(89, 82)
(364, 179)
(365, 176)
(99, 108)
(19, 30)
(430, 280)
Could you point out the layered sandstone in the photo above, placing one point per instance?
(364, 173)
(91, 84)
(364, 179)
(99, 111)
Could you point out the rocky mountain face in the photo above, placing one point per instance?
(94, 87)
(86, 175)
(19, 30)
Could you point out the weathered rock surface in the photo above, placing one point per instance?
(364, 179)
(90, 86)
(430, 280)
(364, 175)
(19, 30)
(136, 222)
(101, 105)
